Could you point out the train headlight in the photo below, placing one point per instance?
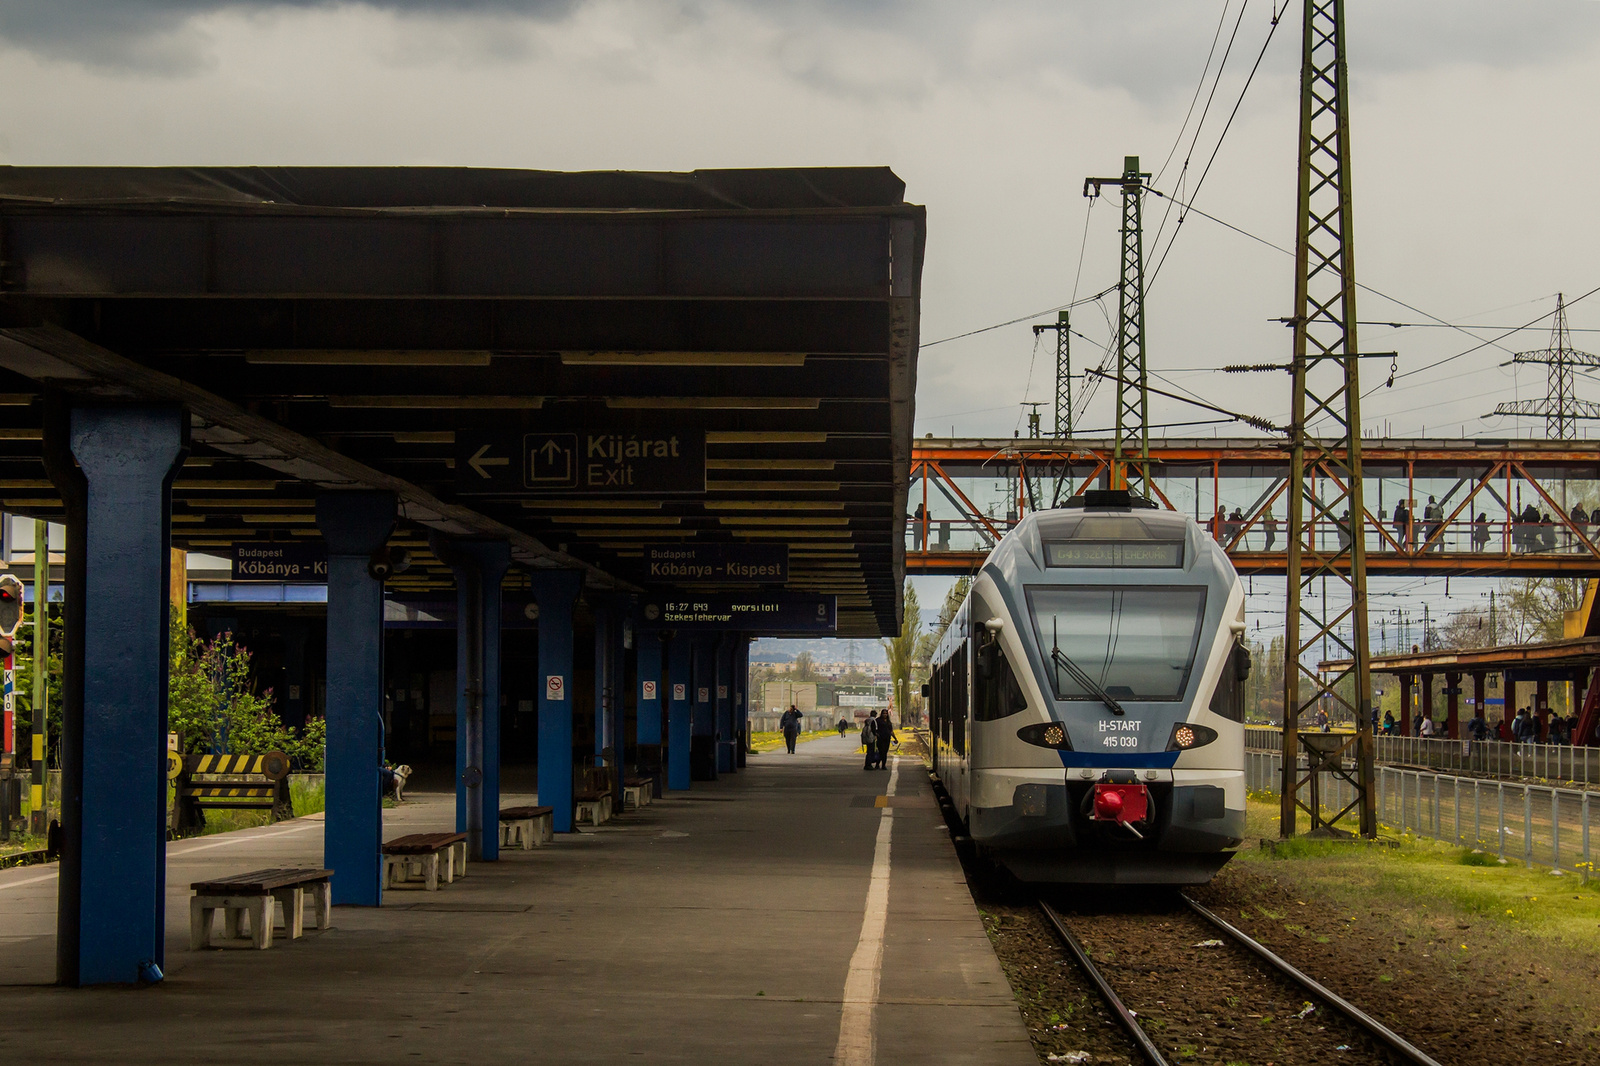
(1046, 735)
(1186, 735)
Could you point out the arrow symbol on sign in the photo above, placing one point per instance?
(552, 451)
(480, 460)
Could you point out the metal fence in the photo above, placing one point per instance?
(1492, 758)
(1539, 825)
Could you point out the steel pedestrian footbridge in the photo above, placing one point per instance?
(1469, 507)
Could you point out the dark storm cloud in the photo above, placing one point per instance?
(157, 36)
(1150, 49)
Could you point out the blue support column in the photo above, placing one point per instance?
(703, 712)
(355, 525)
(115, 467)
(602, 684)
(555, 591)
(495, 560)
(727, 761)
(479, 567)
(680, 725)
(621, 638)
(647, 721)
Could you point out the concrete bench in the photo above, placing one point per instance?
(527, 827)
(637, 791)
(420, 859)
(254, 898)
(592, 806)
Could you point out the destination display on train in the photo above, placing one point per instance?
(1113, 554)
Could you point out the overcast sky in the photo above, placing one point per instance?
(1472, 130)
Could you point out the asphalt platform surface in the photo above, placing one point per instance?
(723, 924)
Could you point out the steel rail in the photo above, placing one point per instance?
(1388, 1037)
(1152, 1054)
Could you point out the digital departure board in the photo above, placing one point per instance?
(1083, 554)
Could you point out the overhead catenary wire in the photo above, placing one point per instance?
(1023, 318)
(1210, 97)
(1277, 16)
(1249, 420)
(1222, 20)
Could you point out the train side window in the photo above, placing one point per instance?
(959, 705)
(996, 693)
(1228, 699)
(941, 691)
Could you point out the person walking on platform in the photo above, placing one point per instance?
(790, 724)
(843, 725)
(882, 738)
(869, 733)
(1519, 726)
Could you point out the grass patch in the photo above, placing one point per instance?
(309, 797)
(1432, 881)
(1479, 857)
(774, 741)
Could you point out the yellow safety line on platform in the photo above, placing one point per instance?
(857, 1044)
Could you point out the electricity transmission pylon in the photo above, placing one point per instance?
(1132, 444)
(1560, 408)
(1325, 497)
(1063, 332)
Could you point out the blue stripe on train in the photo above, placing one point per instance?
(1160, 760)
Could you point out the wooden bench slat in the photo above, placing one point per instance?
(517, 814)
(259, 882)
(421, 843)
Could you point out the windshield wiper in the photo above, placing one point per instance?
(1062, 661)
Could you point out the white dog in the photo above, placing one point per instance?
(401, 773)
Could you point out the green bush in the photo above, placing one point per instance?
(212, 703)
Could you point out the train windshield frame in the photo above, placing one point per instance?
(1137, 642)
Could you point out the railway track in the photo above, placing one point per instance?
(1169, 1016)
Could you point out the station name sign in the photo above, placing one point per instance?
(755, 612)
(600, 457)
(280, 561)
(760, 564)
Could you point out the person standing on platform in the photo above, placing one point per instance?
(843, 725)
(790, 724)
(1270, 525)
(869, 732)
(883, 737)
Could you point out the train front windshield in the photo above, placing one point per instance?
(1137, 643)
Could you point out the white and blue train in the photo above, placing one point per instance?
(1086, 701)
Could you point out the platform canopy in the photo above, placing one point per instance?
(585, 364)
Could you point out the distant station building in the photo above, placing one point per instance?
(1499, 680)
